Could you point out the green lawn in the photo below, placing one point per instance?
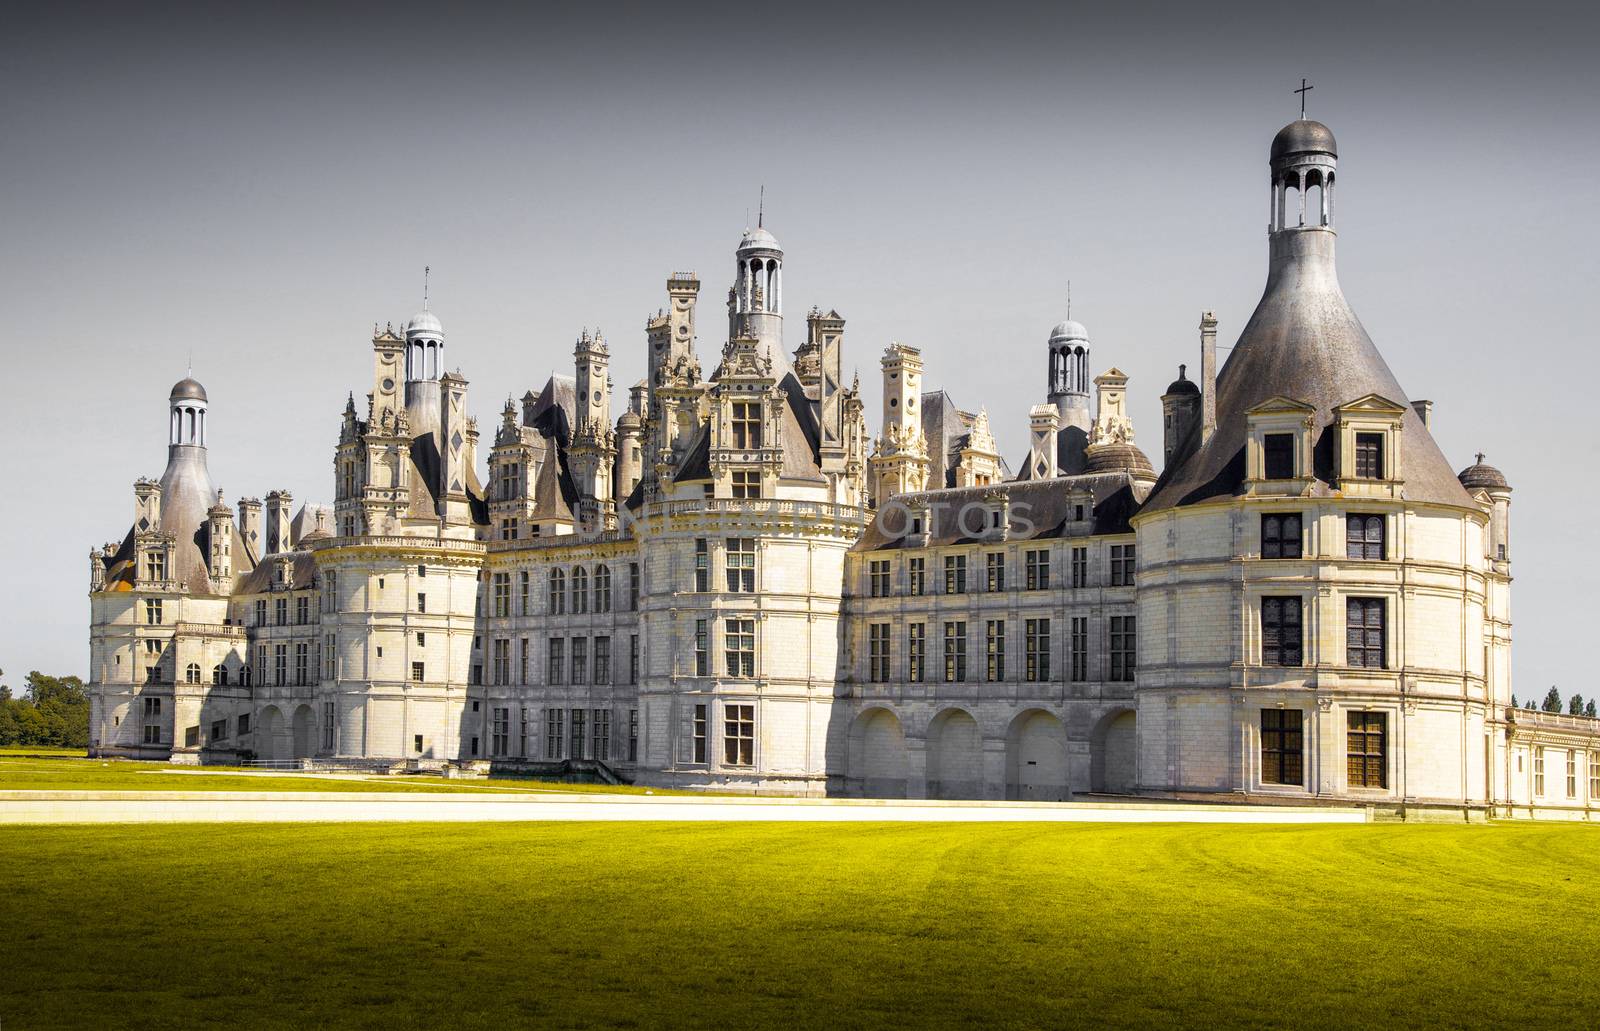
(21, 772)
(785, 925)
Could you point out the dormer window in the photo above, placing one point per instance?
(1277, 450)
(1369, 456)
(746, 425)
(1368, 435)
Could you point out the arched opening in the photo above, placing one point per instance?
(305, 725)
(878, 764)
(1036, 758)
(955, 756)
(219, 675)
(1316, 213)
(1114, 753)
(191, 673)
(271, 735)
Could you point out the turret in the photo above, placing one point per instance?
(756, 304)
(591, 456)
(1069, 391)
(219, 524)
(250, 526)
(1490, 485)
(899, 463)
(1180, 410)
(424, 367)
(456, 434)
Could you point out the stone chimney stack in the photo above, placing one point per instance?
(1208, 375)
(250, 525)
(1044, 422)
(279, 512)
(1424, 410)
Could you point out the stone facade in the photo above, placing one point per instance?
(733, 586)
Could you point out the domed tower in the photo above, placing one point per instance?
(186, 491)
(1303, 158)
(424, 367)
(1069, 392)
(755, 305)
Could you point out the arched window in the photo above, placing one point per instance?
(191, 675)
(602, 588)
(558, 592)
(244, 675)
(580, 589)
(219, 674)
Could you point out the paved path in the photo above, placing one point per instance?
(42, 807)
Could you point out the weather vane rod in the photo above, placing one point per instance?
(425, 270)
(761, 211)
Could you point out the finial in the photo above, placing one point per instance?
(425, 270)
(1480, 457)
(761, 210)
(1183, 372)
(1303, 90)
(188, 371)
(1069, 300)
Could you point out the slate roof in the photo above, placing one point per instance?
(1047, 510)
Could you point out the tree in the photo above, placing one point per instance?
(1588, 710)
(53, 713)
(1514, 704)
(1552, 700)
(1575, 705)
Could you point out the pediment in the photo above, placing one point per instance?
(1375, 403)
(1278, 404)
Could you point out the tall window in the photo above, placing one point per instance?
(746, 425)
(522, 733)
(600, 739)
(580, 590)
(955, 574)
(741, 565)
(1282, 747)
(1080, 648)
(700, 733)
(1280, 632)
(191, 673)
(1122, 565)
(219, 674)
(702, 648)
(1280, 536)
(330, 726)
(1366, 763)
(878, 578)
(1572, 774)
(422, 602)
(502, 594)
(994, 650)
(633, 658)
(1036, 566)
(739, 735)
(1036, 649)
(955, 652)
(557, 661)
(1369, 456)
(1080, 567)
(280, 664)
(1538, 772)
(1594, 775)
(555, 732)
(301, 663)
(994, 571)
(702, 565)
(878, 652)
(1277, 450)
(602, 588)
(916, 651)
(746, 483)
(280, 610)
(522, 591)
(500, 732)
(502, 660)
(509, 477)
(302, 610)
(261, 612)
(740, 644)
(577, 719)
(152, 611)
(1364, 536)
(580, 660)
(1364, 632)
(1124, 640)
(558, 592)
(917, 576)
(522, 661)
(602, 660)
(633, 586)
(156, 565)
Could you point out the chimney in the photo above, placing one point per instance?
(1424, 410)
(250, 525)
(278, 516)
(1208, 375)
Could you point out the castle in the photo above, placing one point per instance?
(734, 585)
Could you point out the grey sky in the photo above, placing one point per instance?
(258, 190)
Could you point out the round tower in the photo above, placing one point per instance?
(1069, 391)
(424, 366)
(757, 304)
(1303, 161)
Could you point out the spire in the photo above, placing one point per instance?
(761, 208)
(425, 270)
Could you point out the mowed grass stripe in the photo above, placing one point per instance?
(741, 925)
